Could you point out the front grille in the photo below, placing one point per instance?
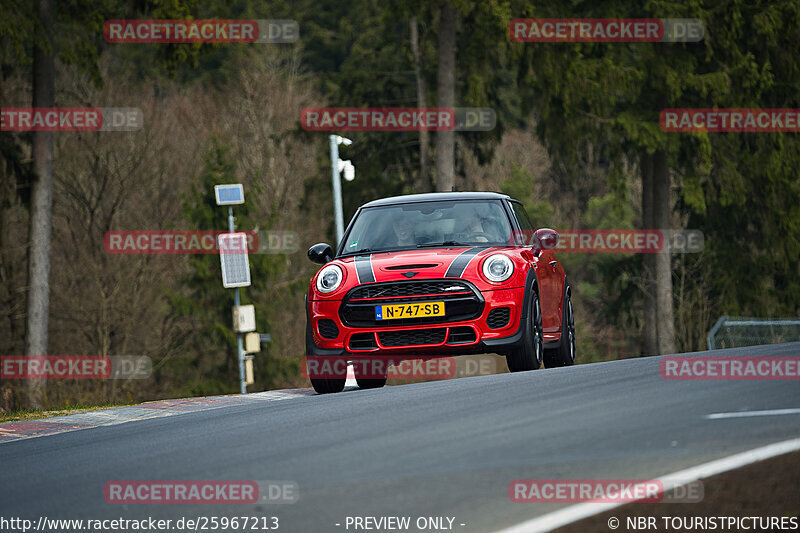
(498, 318)
(407, 288)
(462, 301)
(327, 328)
(412, 337)
(362, 341)
(461, 335)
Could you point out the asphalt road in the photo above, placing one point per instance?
(438, 449)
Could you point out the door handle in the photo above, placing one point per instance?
(553, 263)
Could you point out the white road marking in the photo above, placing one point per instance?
(574, 513)
(745, 414)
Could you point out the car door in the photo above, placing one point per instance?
(551, 288)
(549, 272)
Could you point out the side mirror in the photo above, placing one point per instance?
(320, 253)
(544, 239)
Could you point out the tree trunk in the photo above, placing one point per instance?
(446, 75)
(424, 181)
(662, 211)
(649, 315)
(41, 207)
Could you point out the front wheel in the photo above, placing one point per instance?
(316, 367)
(564, 355)
(333, 381)
(370, 383)
(370, 373)
(529, 355)
(327, 386)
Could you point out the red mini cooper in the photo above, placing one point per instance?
(432, 275)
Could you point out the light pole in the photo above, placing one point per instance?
(236, 304)
(337, 165)
(235, 269)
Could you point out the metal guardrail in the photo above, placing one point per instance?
(781, 330)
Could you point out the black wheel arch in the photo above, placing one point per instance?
(506, 344)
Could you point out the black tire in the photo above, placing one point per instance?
(321, 385)
(370, 383)
(529, 355)
(564, 355)
(325, 385)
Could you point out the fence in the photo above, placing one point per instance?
(732, 332)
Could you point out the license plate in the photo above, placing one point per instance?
(424, 309)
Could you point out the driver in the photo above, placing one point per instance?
(469, 224)
(403, 230)
(475, 230)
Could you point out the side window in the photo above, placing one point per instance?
(524, 223)
(522, 216)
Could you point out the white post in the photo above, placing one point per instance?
(337, 190)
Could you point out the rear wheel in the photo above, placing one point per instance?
(529, 355)
(564, 355)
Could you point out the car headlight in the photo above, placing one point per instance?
(329, 279)
(498, 268)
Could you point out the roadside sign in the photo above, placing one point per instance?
(232, 194)
(234, 260)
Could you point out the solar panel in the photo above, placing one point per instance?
(229, 194)
(234, 260)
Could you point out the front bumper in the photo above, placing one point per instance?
(479, 334)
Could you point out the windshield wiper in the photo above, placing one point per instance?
(445, 243)
(361, 251)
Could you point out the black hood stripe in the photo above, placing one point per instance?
(459, 264)
(363, 264)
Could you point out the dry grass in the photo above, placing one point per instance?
(28, 414)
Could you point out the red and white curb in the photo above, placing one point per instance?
(28, 429)
(119, 415)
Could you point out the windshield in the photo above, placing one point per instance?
(418, 225)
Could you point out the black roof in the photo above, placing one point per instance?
(437, 196)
